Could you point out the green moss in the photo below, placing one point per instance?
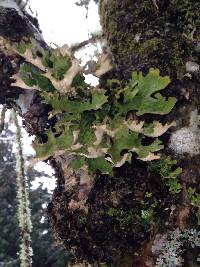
(126, 217)
(140, 35)
(194, 199)
(149, 45)
(169, 172)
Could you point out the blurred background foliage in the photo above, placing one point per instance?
(47, 252)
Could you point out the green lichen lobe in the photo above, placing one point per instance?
(141, 34)
(105, 138)
(100, 125)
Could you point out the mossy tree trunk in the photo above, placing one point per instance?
(109, 227)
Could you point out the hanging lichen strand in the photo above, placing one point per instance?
(23, 201)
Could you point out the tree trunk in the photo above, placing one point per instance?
(100, 219)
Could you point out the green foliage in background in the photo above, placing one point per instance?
(46, 252)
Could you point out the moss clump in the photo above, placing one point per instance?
(141, 34)
(128, 217)
(169, 172)
(122, 212)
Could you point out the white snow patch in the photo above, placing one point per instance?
(91, 79)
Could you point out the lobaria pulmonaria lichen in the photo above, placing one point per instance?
(100, 127)
(100, 131)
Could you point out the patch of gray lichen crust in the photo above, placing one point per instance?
(187, 139)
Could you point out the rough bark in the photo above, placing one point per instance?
(140, 34)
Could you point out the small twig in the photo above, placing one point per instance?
(32, 11)
(155, 4)
(93, 39)
(2, 119)
(22, 4)
(25, 4)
